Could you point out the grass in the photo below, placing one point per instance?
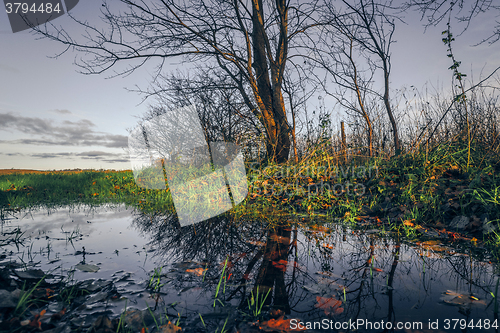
(425, 187)
(255, 304)
(24, 299)
(155, 281)
(31, 190)
(222, 277)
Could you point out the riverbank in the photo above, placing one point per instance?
(442, 192)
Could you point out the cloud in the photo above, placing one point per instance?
(87, 155)
(67, 133)
(62, 111)
(51, 155)
(11, 154)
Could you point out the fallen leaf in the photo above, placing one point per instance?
(196, 271)
(256, 242)
(281, 264)
(455, 298)
(329, 305)
(280, 325)
(87, 268)
(320, 228)
(35, 322)
(58, 315)
(409, 223)
(170, 328)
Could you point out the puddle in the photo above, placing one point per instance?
(105, 263)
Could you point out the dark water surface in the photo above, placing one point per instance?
(204, 276)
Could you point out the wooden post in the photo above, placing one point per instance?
(344, 144)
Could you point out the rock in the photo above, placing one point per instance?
(60, 329)
(488, 226)
(6, 300)
(95, 285)
(365, 210)
(87, 268)
(102, 325)
(31, 274)
(99, 297)
(459, 223)
(136, 319)
(445, 207)
(4, 277)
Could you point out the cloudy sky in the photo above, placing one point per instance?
(52, 117)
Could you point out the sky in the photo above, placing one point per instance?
(52, 117)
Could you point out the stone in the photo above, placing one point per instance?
(6, 300)
(488, 226)
(136, 319)
(31, 274)
(459, 223)
(102, 325)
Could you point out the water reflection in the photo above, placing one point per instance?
(233, 272)
(330, 271)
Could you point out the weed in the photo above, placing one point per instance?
(24, 299)
(155, 281)
(222, 277)
(254, 304)
(121, 322)
(223, 330)
(202, 321)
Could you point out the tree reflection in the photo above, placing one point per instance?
(318, 272)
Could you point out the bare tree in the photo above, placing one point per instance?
(435, 11)
(377, 29)
(223, 114)
(251, 41)
(341, 66)
(365, 24)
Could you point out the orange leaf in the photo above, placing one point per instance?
(170, 328)
(281, 264)
(280, 325)
(196, 271)
(329, 305)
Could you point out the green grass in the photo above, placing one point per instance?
(18, 191)
(417, 185)
(255, 304)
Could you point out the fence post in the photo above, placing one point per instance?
(344, 144)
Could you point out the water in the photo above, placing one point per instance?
(328, 275)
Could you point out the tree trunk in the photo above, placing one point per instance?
(397, 147)
(269, 96)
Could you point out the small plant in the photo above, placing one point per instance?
(254, 304)
(121, 322)
(222, 277)
(223, 330)
(155, 281)
(24, 300)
